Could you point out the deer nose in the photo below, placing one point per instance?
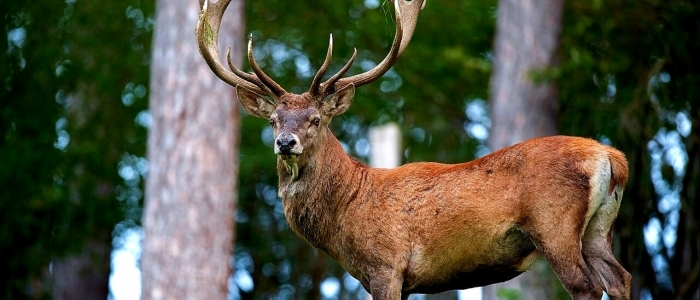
(285, 143)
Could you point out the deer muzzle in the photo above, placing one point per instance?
(288, 144)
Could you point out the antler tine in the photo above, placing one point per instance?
(409, 11)
(331, 81)
(247, 76)
(270, 84)
(314, 89)
(318, 88)
(207, 33)
(406, 13)
(315, 84)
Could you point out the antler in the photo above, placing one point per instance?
(207, 37)
(406, 13)
(315, 84)
(207, 32)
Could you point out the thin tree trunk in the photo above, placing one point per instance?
(524, 103)
(527, 37)
(84, 275)
(193, 156)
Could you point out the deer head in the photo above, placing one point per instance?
(298, 120)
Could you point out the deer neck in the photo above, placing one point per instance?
(316, 197)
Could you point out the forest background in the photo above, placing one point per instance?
(74, 120)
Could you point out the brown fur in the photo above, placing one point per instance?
(430, 227)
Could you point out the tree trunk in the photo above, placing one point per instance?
(385, 146)
(193, 156)
(524, 104)
(84, 275)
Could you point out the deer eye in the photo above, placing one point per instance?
(316, 121)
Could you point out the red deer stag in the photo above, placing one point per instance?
(430, 227)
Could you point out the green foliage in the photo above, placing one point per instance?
(508, 294)
(30, 197)
(64, 125)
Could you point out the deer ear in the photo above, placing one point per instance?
(339, 102)
(253, 103)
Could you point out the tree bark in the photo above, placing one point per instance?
(84, 275)
(527, 37)
(193, 156)
(524, 103)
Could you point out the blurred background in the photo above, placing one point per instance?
(75, 119)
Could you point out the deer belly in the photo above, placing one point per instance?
(480, 276)
(465, 265)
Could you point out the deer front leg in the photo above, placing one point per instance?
(386, 286)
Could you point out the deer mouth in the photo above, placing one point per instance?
(290, 163)
(287, 152)
(289, 156)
